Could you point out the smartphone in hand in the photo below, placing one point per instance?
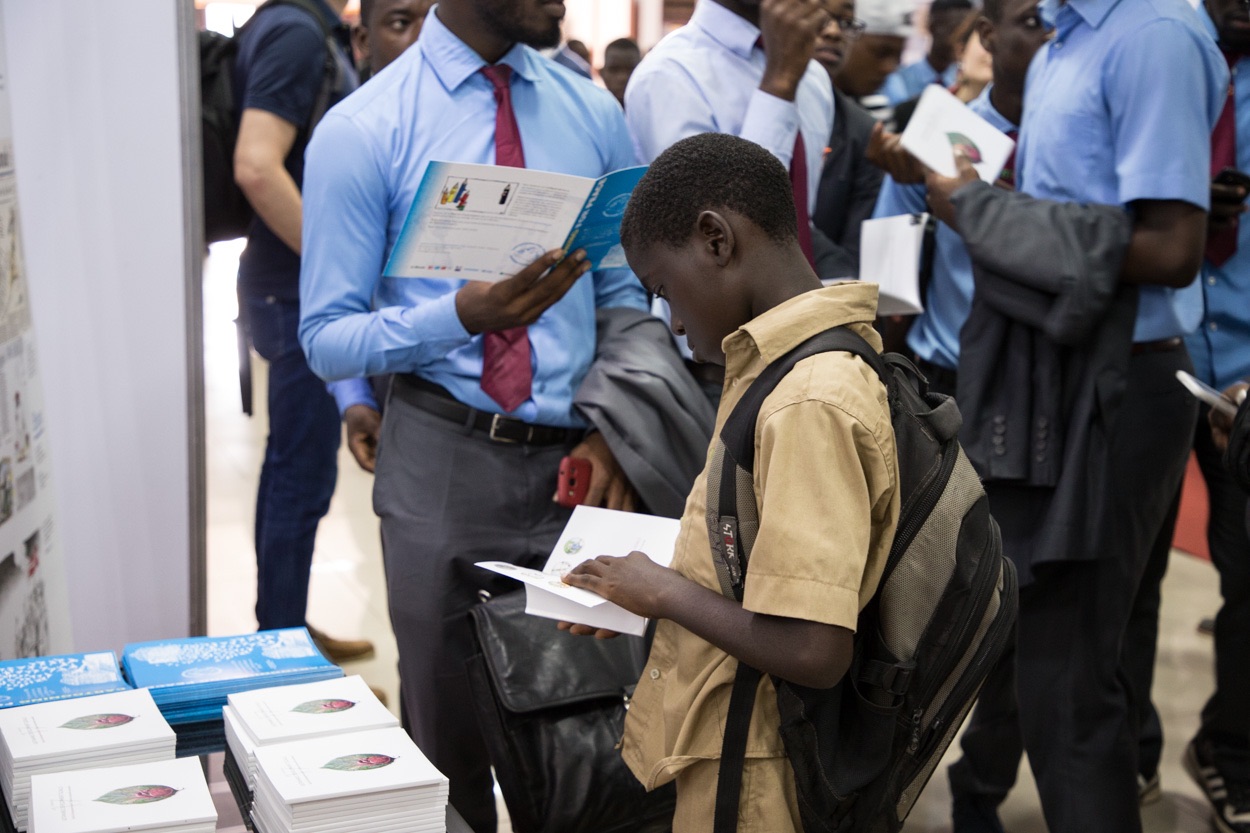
(1233, 177)
(573, 482)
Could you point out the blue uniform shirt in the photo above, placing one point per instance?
(934, 336)
(1221, 345)
(363, 168)
(907, 83)
(1119, 107)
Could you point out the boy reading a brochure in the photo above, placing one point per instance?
(712, 229)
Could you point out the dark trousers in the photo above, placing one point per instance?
(1071, 695)
(300, 467)
(1226, 717)
(449, 497)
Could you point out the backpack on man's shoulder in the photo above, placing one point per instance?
(227, 213)
(942, 615)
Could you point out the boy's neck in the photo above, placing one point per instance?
(790, 275)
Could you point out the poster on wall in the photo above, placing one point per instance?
(34, 616)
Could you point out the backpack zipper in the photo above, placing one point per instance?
(926, 501)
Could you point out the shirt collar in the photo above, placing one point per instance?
(454, 62)
(1093, 12)
(788, 325)
(1207, 23)
(726, 28)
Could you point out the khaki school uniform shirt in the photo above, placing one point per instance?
(827, 487)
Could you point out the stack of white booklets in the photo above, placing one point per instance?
(255, 719)
(163, 797)
(86, 732)
(376, 781)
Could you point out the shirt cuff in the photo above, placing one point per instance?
(437, 324)
(349, 392)
(772, 123)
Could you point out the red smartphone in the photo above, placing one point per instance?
(574, 481)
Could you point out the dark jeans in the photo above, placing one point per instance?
(1226, 717)
(300, 467)
(1071, 694)
(449, 497)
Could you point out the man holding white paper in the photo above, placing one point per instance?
(480, 412)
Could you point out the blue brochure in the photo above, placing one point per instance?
(39, 679)
(486, 223)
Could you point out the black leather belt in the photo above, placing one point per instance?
(1163, 345)
(434, 399)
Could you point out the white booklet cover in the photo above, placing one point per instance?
(105, 721)
(136, 797)
(943, 124)
(592, 532)
(889, 255)
(282, 713)
(345, 765)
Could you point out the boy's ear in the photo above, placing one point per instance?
(717, 236)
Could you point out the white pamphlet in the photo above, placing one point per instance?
(298, 711)
(105, 721)
(592, 532)
(889, 255)
(168, 795)
(942, 125)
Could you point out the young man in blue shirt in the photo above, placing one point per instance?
(470, 445)
(1118, 111)
(1219, 756)
(939, 65)
(279, 80)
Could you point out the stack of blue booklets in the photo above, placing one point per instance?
(190, 679)
(42, 679)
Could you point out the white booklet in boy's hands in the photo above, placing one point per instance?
(486, 223)
(592, 532)
(943, 124)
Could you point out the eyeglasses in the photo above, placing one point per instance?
(853, 27)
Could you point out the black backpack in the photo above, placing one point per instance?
(943, 614)
(227, 213)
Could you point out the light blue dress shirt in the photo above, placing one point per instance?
(934, 335)
(705, 78)
(1220, 347)
(910, 81)
(364, 164)
(1119, 107)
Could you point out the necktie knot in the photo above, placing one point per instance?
(500, 77)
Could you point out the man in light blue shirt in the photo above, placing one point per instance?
(939, 66)
(460, 477)
(1118, 110)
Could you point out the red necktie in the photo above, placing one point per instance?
(798, 185)
(507, 376)
(1007, 179)
(1222, 244)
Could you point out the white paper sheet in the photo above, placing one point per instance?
(889, 255)
(943, 123)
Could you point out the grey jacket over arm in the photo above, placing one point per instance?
(652, 413)
(1044, 361)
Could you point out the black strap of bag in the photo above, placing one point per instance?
(732, 556)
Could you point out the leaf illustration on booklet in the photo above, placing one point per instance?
(962, 144)
(323, 706)
(143, 794)
(98, 721)
(359, 763)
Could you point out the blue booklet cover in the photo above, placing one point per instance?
(207, 661)
(486, 222)
(40, 679)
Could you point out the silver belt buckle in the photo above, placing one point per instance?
(495, 422)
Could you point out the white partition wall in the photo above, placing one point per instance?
(100, 124)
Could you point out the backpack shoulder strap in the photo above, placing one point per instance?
(729, 550)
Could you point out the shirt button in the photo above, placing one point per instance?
(655, 673)
(1213, 326)
(1211, 281)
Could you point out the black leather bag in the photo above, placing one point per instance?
(1237, 456)
(552, 710)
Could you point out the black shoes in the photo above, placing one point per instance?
(1230, 801)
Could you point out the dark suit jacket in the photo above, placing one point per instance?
(848, 190)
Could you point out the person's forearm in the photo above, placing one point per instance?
(1167, 245)
(275, 198)
(807, 653)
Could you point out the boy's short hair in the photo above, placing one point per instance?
(627, 44)
(710, 171)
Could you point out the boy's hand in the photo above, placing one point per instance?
(1221, 424)
(1228, 203)
(634, 582)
